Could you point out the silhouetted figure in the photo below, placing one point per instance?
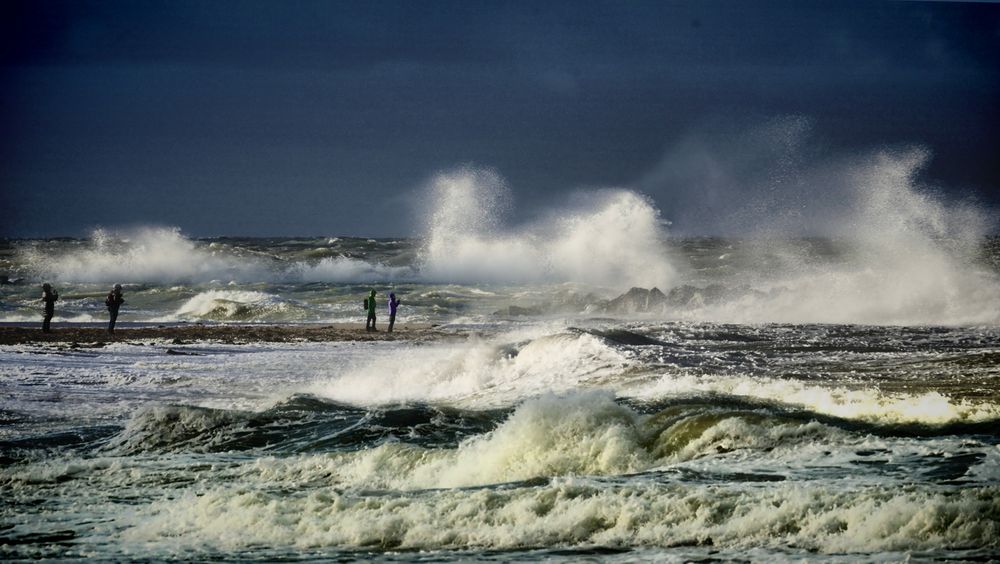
(114, 301)
(49, 296)
(393, 304)
(370, 302)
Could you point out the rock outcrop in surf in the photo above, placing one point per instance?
(647, 301)
(654, 301)
(638, 300)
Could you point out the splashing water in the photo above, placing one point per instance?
(146, 255)
(617, 240)
(901, 254)
(908, 259)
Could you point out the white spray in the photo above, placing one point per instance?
(617, 240)
(153, 255)
(909, 255)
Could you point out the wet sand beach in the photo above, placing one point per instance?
(235, 334)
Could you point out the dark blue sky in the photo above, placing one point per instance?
(300, 117)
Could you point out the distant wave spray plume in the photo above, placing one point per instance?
(144, 255)
(615, 238)
(903, 253)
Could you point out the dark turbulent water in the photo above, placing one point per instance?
(780, 399)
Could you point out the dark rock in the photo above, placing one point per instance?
(638, 300)
(516, 311)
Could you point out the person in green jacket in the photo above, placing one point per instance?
(370, 323)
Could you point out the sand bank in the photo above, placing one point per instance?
(180, 334)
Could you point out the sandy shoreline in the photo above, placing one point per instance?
(236, 334)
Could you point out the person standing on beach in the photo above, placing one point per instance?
(370, 302)
(49, 296)
(393, 304)
(114, 301)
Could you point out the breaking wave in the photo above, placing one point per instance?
(553, 469)
(346, 269)
(165, 256)
(150, 255)
(578, 512)
(482, 372)
(615, 239)
(527, 363)
(237, 305)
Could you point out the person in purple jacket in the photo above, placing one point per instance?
(393, 304)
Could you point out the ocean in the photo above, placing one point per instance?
(777, 398)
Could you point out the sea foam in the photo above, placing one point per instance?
(575, 512)
(551, 455)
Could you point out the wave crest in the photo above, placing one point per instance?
(236, 305)
(615, 238)
(148, 255)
